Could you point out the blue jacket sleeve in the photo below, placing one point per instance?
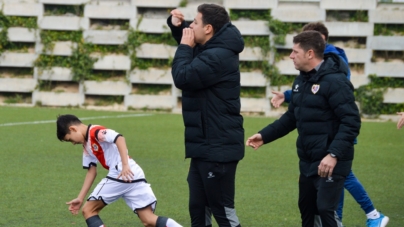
(288, 95)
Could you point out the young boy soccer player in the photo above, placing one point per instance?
(125, 177)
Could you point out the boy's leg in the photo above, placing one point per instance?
(219, 184)
(199, 210)
(328, 192)
(91, 210)
(166, 222)
(106, 192)
(140, 198)
(149, 219)
(94, 221)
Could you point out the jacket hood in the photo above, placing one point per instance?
(228, 37)
(329, 48)
(332, 64)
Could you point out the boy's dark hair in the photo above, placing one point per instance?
(311, 40)
(63, 123)
(214, 15)
(317, 26)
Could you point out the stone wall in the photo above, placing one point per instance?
(149, 16)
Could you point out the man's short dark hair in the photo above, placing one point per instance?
(317, 26)
(311, 40)
(214, 15)
(63, 123)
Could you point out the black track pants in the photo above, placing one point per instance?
(320, 196)
(211, 191)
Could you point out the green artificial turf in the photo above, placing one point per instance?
(39, 174)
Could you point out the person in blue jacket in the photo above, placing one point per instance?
(352, 184)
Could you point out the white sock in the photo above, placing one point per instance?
(172, 223)
(373, 214)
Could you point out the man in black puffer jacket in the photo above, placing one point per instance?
(206, 69)
(323, 110)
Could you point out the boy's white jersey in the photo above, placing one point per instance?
(100, 148)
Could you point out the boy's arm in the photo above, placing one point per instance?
(126, 173)
(75, 204)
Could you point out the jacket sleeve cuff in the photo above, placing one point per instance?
(287, 95)
(174, 28)
(266, 134)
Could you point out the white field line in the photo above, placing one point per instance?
(82, 118)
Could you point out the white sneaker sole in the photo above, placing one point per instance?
(385, 221)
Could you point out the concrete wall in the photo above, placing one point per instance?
(285, 10)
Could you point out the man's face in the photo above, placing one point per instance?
(200, 30)
(299, 57)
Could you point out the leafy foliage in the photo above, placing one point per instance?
(81, 62)
(388, 55)
(236, 14)
(164, 38)
(281, 29)
(4, 23)
(47, 61)
(347, 15)
(153, 89)
(258, 41)
(107, 100)
(19, 47)
(17, 71)
(19, 21)
(370, 99)
(370, 96)
(183, 3)
(133, 44)
(100, 75)
(14, 98)
(48, 37)
(106, 49)
(253, 92)
(145, 63)
(388, 29)
(114, 24)
(59, 10)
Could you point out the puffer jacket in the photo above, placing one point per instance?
(209, 78)
(324, 112)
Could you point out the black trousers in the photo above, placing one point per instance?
(319, 196)
(211, 191)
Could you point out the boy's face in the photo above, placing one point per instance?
(74, 136)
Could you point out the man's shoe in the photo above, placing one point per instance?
(379, 222)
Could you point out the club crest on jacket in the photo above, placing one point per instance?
(315, 88)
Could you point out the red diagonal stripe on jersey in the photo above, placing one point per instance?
(99, 152)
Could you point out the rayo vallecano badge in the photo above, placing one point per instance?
(95, 147)
(315, 88)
